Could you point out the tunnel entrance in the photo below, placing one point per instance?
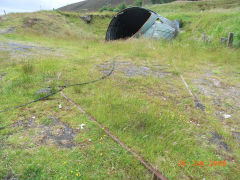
(127, 23)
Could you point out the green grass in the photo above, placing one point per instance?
(154, 116)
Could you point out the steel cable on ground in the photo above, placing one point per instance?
(60, 89)
(147, 165)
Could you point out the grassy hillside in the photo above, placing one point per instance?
(93, 5)
(144, 103)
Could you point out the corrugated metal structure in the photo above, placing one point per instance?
(137, 22)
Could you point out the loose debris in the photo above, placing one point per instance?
(217, 139)
(137, 22)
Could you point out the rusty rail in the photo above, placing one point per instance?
(149, 166)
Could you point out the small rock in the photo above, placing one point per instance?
(199, 105)
(82, 126)
(90, 140)
(226, 116)
(145, 136)
(87, 18)
(60, 106)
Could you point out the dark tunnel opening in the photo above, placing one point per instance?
(127, 23)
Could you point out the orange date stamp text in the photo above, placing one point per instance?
(202, 163)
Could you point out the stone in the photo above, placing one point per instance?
(43, 91)
(199, 105)
(226, 116)
(82, 126)
(87, 18)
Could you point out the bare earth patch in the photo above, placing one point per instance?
(54, 133)
(130, 70)
(7, 30)
(225, 100)
(19, 49)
